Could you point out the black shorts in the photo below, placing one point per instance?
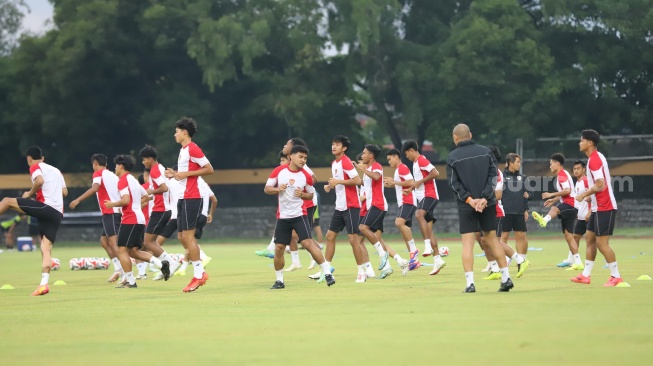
(34, 229)
(284, 228)
(513, 223)
(428, 204)
(471, 221)
(349, 219)
(499, 223)
(316, 223)
(199, 230)
(131, 235)
(158, 222)
(49, 218)
(110, 224)
(567, 216)
(374, 219)
(580, 227)
(188, 211)
(310, 212)
(406, 212)
(601, 223)
(170, 229)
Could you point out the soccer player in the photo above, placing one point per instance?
(564, 209)
(191, 164)
(209, 204)
(171, 226)
(49, 187)
(362, 193)
(105, 187)
(584, 208)
(8, 227)
(269, 251)
(472, 172)
(426, 194)
(604, 210)
(515, 203)
(293, 185)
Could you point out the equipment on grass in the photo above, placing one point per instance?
(89, 263)
(444, 251)
(56, 264)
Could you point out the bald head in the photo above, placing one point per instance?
(461, 133)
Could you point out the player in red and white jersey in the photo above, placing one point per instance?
(132, 225)
(426, 194)
(344, 181)
(604, 210)
(191, 164)
(173, 198)
(50, 188)
(292, 184)
(105, 187)
(362, 197)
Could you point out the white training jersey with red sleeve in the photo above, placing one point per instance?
(147, 208)
(421, 168)
(161, 202)
(374, 195)
(191, 158)
(206, 192)
(290, 206)
(108, 190)
(499, 187)
(346, 196)
(173, 196)
(583, 207)
(131, 212)
(564, 181)
(51, 192)
(598, 169)
(312, 202)
(402, 174)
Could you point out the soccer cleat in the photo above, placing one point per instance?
(437, 267)
(152, 268)
(493, 276)
(315, 276)
(293, 267)
(383, 260)
(158, 277)
(207, 260)
(403, 264)
(174, 266)
(576, 267)
(386, 272)
(330, 280)
(195, 283)
(427, 251)
(41, 290)
(312, 265)
(563, 264)
(114, 277)
(539, 219)
(521, 268)
(264, 253)
(287, 250)
(142, 277)
(361, 278)
(180, 273)
(165, 269)
(369, 272)
(506, 286)
(581, 279)
(127, 285)
(487, 268)
(613, 281)
(469, 289)
(278, 285)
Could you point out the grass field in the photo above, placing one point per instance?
(417, 320)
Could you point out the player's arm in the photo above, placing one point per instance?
(564, 192)
(36, 185)
(432, 175)
(214, 204)
(89, 192)
(123, 201)
(162, 188)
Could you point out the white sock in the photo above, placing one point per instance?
(327, 263)
(367, 265)
(469, 276)
(45, 277)
(116, 264)
(184, 265)
(614, 270)
(154, 260)
(142, 267)
(279, 275)
(397, 257)
(129, 276)
(165, 257)
(326, 268)
(361, 270)
(518, 258)
(547, 218)
(271, 246)
(508, 260)
(379, 249)
(427, 245)
(523, 255)
(576, 259)
(437, 259)
(295, 257)
(494, 266)
(505, 275)
(570, 257)
(202, 255)
(588, 268)
(198, 270)
(411, 245)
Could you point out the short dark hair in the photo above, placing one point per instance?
(359, 157)
(298, 149)
(282, 155)
(512, 157)
(558, 157)
(410, 144)
(141, 179)
(497, 152)
(592, 136)
(393, 152)
(296, 141)
(127, 161)
(188, 124)
(101, 159)
(34, 152)
(374, 149)
(344, 140)
(175, 167)
(581, 163)
(148, 152)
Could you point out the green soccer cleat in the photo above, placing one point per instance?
(539, 219)
(576, 267)
(493, 276)
(264, 253)
(522, 268)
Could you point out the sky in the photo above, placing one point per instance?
(38, 17)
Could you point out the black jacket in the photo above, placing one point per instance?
(514, 186)
(472, 171)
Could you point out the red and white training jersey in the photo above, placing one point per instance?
(148, 208)
(583, 207)
(346, 196)
(173, 196)
(131, 212)
(598, 169)
(191, 158)
(161, 202)
(51, 192)
(206, 192)
(290, 206)
(108, 190)
(564, 181)
(374, 195)
(312, 202)
(363, 201)
(402, 174)
(421, 168)
(499, 187)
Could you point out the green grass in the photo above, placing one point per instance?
(419, 319)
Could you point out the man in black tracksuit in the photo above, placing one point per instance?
(516, 193)
(472, 174)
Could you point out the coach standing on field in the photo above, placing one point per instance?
(472, 173)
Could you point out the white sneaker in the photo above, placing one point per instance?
(361, 278)
(437, 267)
(293, 267)
(487, 268)
(142, 277)
(403, 264)
(158, 277)
(287, 249)
(174, 266)
(312, 265)
(369, 273)
(315, 276)
(427, 251)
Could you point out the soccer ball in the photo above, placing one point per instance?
(55, 264)
(104, 263)
(75, 264)
(444, 251)
(26, 248)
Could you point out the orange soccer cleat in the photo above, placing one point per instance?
(613, 281)
(581, 279)
(195, 283)
(41, 290)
